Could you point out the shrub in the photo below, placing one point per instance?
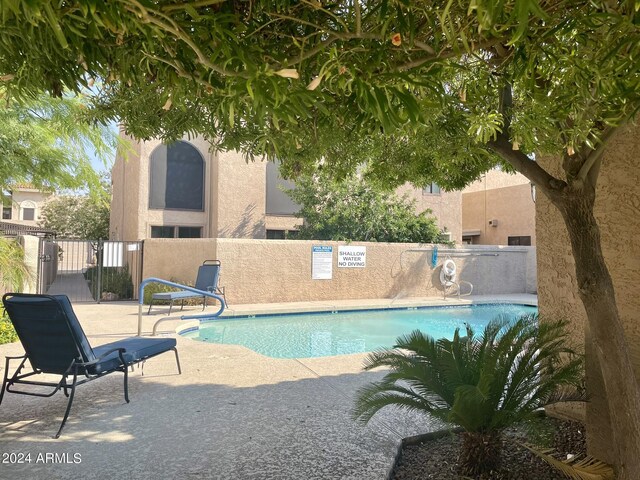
(483, 384)
(152, 288)
(7, 332)
(115, 280)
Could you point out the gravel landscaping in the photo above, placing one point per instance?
(437, 459)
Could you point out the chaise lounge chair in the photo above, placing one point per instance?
(207, 281)
(55, 343)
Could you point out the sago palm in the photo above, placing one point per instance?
(483, 384)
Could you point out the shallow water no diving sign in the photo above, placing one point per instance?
(352, 257)
(321, 262)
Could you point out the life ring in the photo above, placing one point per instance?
(448, 272)
(449, 268)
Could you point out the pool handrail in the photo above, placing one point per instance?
(147, 281)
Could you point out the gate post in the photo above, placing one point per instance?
(100, 262)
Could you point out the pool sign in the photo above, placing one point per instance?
(321, 262)
(352, 257)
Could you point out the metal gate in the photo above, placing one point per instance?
(90, 271)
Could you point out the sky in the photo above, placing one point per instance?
(98, 164)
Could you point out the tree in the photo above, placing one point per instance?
(350, 209)
(45, 142)
(484, 82)
(483, 384)
(80, 217)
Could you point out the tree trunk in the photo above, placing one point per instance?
(597, 294)
(480, 453)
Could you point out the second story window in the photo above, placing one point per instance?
(431, 189)
(176, 178)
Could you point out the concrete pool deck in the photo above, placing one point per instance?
(232, 414)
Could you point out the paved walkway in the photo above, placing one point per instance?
(73, 285)
(232, 414)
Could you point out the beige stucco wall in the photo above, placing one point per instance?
(235, 198)
(496, 178)
(234, 203)
(30, 197)
(511, 206)
(240, 195)
(126, 208)
(618, 212)
(177, 258)
(262, 271)
(446, 207)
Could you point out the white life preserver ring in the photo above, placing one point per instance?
(448, 272)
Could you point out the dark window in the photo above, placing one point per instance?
(277, 201)
(6, 213)
(276, 234)
(524, 241)
(189, 232)
(28, 213)
(162, 232)
(177, 178)
(432, 189)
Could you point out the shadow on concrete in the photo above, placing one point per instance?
(185, 429)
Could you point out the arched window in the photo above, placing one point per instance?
(176, 177)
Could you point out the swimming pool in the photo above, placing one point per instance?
(323, 334)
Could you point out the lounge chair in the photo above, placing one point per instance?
(207, 281)
(55, 343)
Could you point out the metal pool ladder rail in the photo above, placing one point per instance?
(147, 281)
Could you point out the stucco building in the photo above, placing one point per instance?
(499, 209)
(187, 190)
(24, 205)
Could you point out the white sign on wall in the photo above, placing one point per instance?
(321, 262)
(352, 257)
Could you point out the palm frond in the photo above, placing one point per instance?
(586, 468)
(14, 272)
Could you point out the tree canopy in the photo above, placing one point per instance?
(46, 142)
(78, 217)
(353, 210)
(289, 78)
(436, 90)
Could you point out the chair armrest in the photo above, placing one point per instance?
(16, 358)
(105, 354)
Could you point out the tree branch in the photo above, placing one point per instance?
(198, 4)
(149, 16)
(595, 155)
(452, 52)
(549, 184)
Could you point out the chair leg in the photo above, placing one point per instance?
(182, 305)
(175, 350)
(204, 303)
(5, 380)
(126, 383)
(170, 306)
(150, 305)
(66, 413)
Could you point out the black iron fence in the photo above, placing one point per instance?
(90, 271)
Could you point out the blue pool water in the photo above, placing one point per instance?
(324, 334)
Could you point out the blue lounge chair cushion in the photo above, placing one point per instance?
(136, 349)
